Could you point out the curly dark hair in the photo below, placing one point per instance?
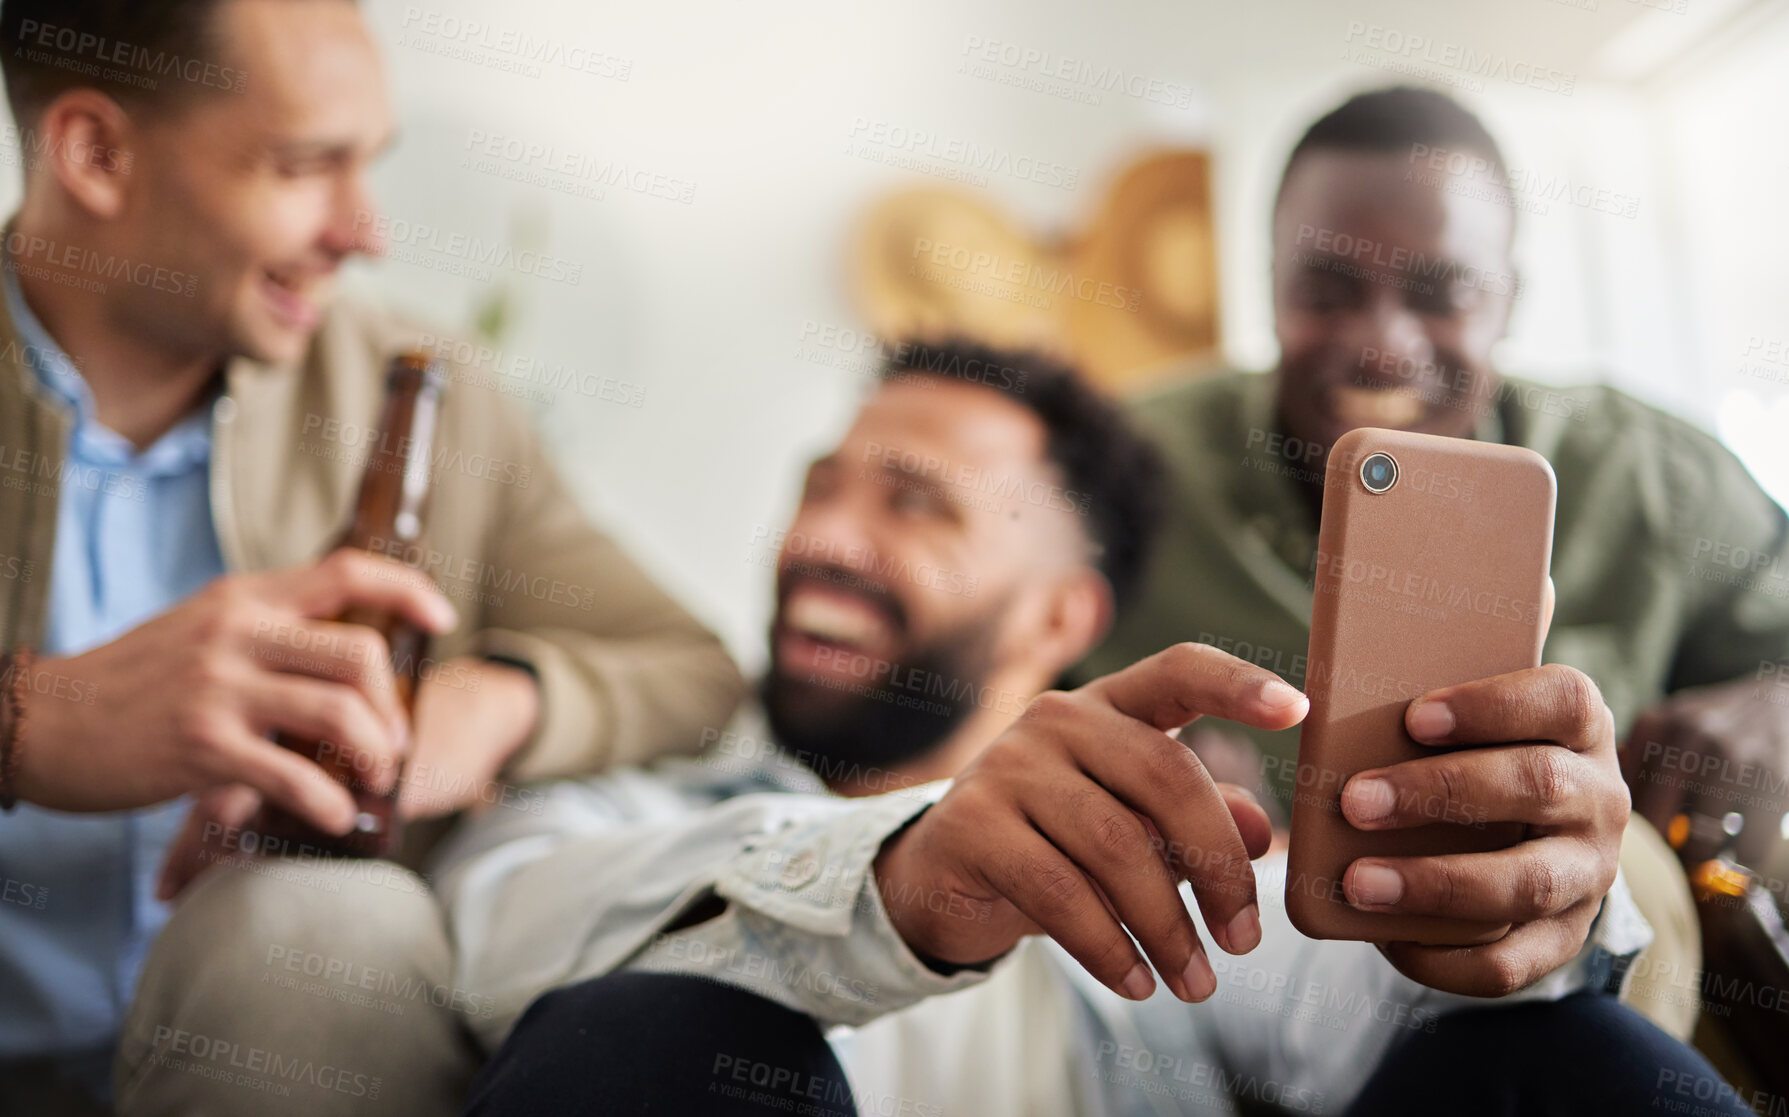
(1100, 455)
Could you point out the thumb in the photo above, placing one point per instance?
(201, 838)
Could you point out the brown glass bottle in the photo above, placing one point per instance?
(388, 519)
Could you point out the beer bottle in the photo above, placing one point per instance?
(387, 519)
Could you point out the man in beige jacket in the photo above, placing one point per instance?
(184, 418)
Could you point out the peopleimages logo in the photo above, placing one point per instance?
(1462, 58)
(854, 565)
(395, 987)
(326, 436)
(415, 242)
(1175, 1074)
(1059, 75)
(1768, 563)
(1425, 589)
(1403, 263)
(32, 472)
(967, 484)
(1022, 273)
(975, 161)
(883, 678)
(24, 145)
(529, 377)
(510, 49)
(34, 896)
(97, 56)
(545, 164)
(71, 265)
(255, 1067)
(1524, 188)
(449, 568)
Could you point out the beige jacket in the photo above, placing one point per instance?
(625, 673)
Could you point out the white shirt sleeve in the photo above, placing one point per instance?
(591, 893)
(805, 924)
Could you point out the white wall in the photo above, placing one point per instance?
(1725, 118)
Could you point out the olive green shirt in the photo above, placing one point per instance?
(1671, 564)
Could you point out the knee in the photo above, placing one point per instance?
(1665, 981)
(337, 964)
(245, 932)
(300, 914)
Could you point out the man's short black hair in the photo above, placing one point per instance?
(1395, 121)
(135, 50)
(1115, 476)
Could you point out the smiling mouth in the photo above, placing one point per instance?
(821, 628)
(1398, 407)
(294, 299)
(830, 616)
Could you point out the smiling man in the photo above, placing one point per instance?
(179, 392)
(924, 883)
(1393, 280)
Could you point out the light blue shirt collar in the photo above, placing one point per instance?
(90, 442)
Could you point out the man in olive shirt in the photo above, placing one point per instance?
(1392, 281)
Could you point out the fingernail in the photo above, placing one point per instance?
(1278, 692)
(1244, 931)
(1368, 800)
(345, 807)
(1375, 886)
(1138, 985)
(1430, 721)
(446, 618)
(1197, 979)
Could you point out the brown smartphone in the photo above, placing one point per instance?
(1432, 562)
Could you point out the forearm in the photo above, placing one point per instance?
(807, 924)
(48, 715)
(769, 892)
(606, 701)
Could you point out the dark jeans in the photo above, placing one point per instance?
(1585, 1054)
(67, 1086)
(657, 1044)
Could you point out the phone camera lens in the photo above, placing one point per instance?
(1379, 472)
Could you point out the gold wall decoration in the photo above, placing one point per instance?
(1129, 297)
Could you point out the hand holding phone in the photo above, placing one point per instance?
(1477, 869)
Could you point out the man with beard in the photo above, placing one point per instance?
(1392, 281)
(696, 925)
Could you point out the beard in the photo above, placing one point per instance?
(888, 717)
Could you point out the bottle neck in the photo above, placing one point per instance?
(418, 462)
(392, 505)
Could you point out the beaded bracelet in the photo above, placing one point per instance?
(17, 674)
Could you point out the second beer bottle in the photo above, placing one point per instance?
(388, 518)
